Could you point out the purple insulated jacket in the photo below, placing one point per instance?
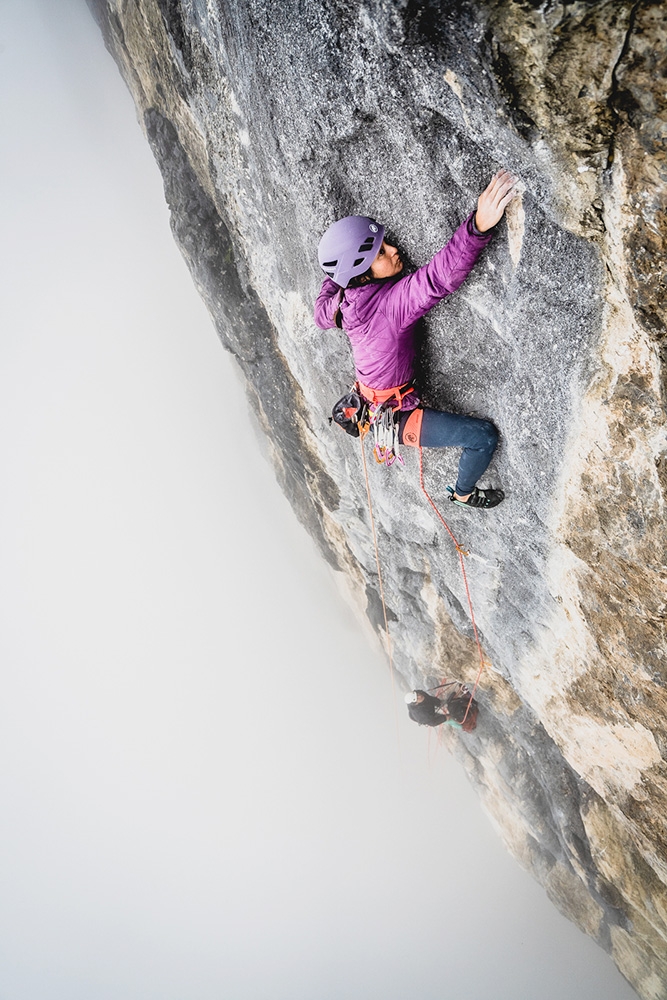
(380, 317)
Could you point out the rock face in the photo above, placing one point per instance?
(271, 119)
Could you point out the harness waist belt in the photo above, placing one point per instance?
(379, 396)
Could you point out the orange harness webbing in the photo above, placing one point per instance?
(378, 396)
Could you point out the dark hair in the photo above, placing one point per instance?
(360, 279)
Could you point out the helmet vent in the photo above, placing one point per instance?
(366, 245)
(329, 273)
(359, 260)
(329, 263)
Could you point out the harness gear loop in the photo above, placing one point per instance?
(460, 552)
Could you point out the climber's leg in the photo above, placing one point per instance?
(477, 437)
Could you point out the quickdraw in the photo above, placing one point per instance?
(384, 428)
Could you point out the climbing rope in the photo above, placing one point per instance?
(461, 553)
(362, 435)
(445, 684)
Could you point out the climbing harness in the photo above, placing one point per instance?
(380, 409)
(462, 712)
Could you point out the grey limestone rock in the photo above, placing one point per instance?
(269, 120)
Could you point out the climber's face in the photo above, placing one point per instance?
(387, 263)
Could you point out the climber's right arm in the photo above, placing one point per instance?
(413, 296)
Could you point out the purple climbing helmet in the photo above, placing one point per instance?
(349, 247)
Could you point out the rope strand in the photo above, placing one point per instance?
(461, 552)
(381, 586)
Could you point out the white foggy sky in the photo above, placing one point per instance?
(201, 791)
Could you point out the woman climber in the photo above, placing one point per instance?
(365, 294)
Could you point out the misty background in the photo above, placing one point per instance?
(202, 790)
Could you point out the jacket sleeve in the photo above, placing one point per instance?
(414, 295)
(327, 304)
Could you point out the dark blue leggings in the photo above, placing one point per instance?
(478, 438)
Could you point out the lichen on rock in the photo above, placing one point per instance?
(402, 111)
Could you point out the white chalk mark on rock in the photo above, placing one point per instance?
(452, 81)
(516, 220)
(454, 84)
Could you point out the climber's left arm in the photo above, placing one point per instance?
(327, 304)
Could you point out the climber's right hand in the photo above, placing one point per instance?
(494, 199)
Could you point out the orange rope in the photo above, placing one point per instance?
(461, 553)
(384, 604)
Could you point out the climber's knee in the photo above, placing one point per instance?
(490, 435)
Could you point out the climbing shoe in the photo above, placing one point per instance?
(480, 499)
